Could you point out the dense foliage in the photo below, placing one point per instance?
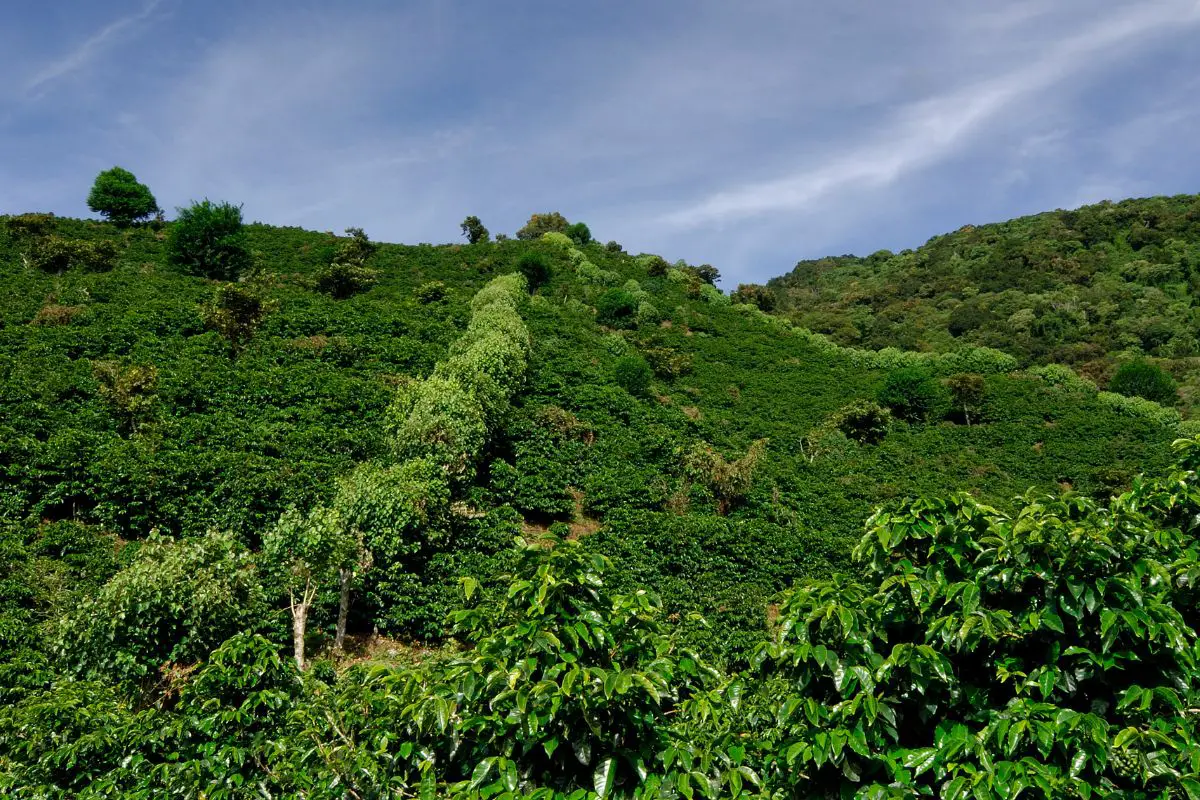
(1091, 288)
(120, 198)
(207, 239)
(257, 537)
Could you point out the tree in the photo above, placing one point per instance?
(536, 269)
(912, 394)
(235, 312)
(473, 229)
(543, 223)
(308, 550)
(579, 233)
(1140, 378)
(119, 197)
(348, 273)
(208, 239)
(966, 391)
(754, 294)
(616, 308)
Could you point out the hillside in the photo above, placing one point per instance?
(175, 448)
(1091, 288)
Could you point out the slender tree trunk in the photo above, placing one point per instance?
(299, 623)
(346, 575)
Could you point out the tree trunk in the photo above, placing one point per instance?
(346, 574)
(299, 623)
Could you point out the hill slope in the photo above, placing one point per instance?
(232, 442)
(1089, 288)
(195, 471)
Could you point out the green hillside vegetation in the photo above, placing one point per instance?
(293, 514)
(1093, 288)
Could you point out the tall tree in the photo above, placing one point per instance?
(308, 550)
(120, 198)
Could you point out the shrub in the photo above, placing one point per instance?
(174, 603)
(862, 421)
(728, 480)
(130, 391)
(971, 651)
(235, 312)
(473, 229)
(58, 254)
(431, 292)
(539, 224)
(535, 267)
(119, 197)
(633, 374)
(208, 239)
(616, 308)
(912, 394)
(347, 273)
(1140, 378)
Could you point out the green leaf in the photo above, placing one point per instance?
(603, 777)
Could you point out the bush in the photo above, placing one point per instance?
(235, 312)
(536, 269)
(119, 197)
(174, 603)
(912, 394)
(431, 292)
(208, 239)
(969, 648)
(633, 374)
(57, 254)
(616, 308)
(863, 421)
(614, 247)
(1140, 378)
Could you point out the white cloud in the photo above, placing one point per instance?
(928, 131)
(91, 48)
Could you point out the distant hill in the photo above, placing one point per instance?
(1090, 288)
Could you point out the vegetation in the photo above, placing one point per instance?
(541, 518)
(119, 198)
(207, 239)
(1088, 288)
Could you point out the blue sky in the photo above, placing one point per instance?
(744, 134)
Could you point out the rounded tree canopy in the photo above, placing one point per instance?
(119, 197)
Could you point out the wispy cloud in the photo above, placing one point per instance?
(89, 50)
(928, 131)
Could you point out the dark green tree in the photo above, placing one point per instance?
(208, 239)
(536, 269)
(474, 230)
(913, 394)
(1140, 378)
(580, 233)
(616, 308)
(119, 197)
